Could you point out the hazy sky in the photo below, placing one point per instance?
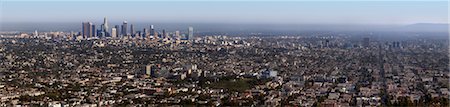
(218, 11)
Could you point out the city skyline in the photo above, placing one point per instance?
(102, 31)
(243, 12)
(256, 53)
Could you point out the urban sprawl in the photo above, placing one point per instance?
(122, 67)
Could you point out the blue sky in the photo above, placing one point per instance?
(380, 12)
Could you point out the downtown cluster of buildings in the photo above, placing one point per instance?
(89, 30)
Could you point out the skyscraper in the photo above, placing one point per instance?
(132, 30)
(87, 29)
(163, 34)
(177, 34)
(117, 30)
(124, 28)
(105, 25)
(100, 33)
(145, 33)
(190, 33)
(113, 32)
(36, 33)
(94, 31)
(152, 30)
(150, 70)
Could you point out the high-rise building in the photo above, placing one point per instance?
(105, 25)
(124, 28)
(94, 31)
(152, 30)
(117, 31)
(177, 34)
(87, 29)
(190, 33)
(145, 33)
(36, 33)
(113, 32)
(150, 70)
(100, 33)
(132, 30)
(163, 33)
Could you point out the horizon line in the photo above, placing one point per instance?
(229, 23)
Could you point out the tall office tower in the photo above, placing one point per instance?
(36, 33)
(113, 32)
(151, 70)
(190, 33)
(124, 28)
(105, 25)
(117, 30)
(87, 29)
(163, 34)
(94, 31)
(152, 30)
(132, 30)
(145, 33)
(177, 34)
(100, 33)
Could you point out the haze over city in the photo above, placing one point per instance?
(252, 53)
(223, 15)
